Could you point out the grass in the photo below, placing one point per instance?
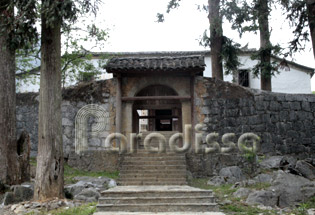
(302, 209)
(259, 186)
(70, 173)
(86, 209)
(237, 206)
(221, 191)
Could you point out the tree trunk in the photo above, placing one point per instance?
(9, 166)
(265, 73)
(49, 171)
(311, 19)
(216, 38)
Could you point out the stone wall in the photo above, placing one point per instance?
(101, 93)
(285, 122)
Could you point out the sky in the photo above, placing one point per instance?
(133, 27)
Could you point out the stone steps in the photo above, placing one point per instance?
(142, 167)
(152, 175)
(163, 207)
(155, 191)
(157, 199)
(151, 171)
(155, 182)
(158, 213)
(144, 154)
(154, 167)
(150, 162)
(155, 158)
(155, 142)
(150, 183)
(151, 179)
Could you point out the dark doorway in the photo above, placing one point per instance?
(243, 78)
(163, 120)
(157, 115)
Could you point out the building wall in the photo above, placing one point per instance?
(293, 81)
(100, 93)
(285, 122)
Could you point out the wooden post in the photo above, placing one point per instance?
(118, 105)
(192, 101)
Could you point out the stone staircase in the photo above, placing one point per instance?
(152, 182)
(156, 199)
(144, 168)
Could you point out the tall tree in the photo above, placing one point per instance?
(8, 146)
(55, 15)
(223, 50)
(301, 15)
(311, 20)
(76, 56)
(244, 16)
(216, 38)
(49, 171)
(263, 19)
(16, 31)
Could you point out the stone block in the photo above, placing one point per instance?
(67, 122)
(295, 105)
(306, 106)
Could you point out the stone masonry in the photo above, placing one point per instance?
(285, 122)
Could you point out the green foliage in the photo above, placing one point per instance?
(86, 209)
(67, 10)
(298, 18)
(250, 154)
(76, 59)
(225, 192)
(245, 16)
(70, 173)
(172, 4)
(259, 186)
(241, 208)
(17, 19)
(303, 207)
(230, 51)
(220, 191)
(241, 16)
(267, 69)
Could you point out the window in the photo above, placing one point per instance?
(243, 78)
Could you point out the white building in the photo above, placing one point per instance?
(295, 78)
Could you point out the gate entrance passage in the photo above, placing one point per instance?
(157, 114)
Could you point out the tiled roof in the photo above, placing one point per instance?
(246, 52)
(165, 63)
